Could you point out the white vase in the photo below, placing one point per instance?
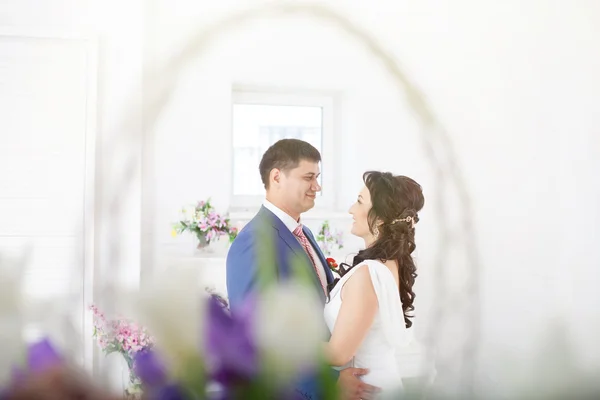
(129, 391)
(202, 242)
(203, 248)
(216, 247)
(115, 366)
(125, 377)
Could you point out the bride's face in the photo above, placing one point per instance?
(359, 211)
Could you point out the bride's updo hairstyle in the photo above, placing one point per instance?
(396, 201)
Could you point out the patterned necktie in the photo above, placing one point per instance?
(307, 248)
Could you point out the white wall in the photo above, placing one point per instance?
(514, 83)
(194, 134)
(47, 134)
(68, 71)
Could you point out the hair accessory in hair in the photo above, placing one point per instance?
(408, 219)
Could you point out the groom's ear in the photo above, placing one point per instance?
(275, 175)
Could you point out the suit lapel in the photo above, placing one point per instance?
(283, 232)
(290, 240)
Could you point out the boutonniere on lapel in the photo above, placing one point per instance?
(332, 264)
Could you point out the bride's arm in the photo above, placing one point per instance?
(355, 318)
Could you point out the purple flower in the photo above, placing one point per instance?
(221, 300)
(149, 369)
(17, 374)
(152, 372)
(41, 356)
(230, 350)
(168, 392)
(212, 218)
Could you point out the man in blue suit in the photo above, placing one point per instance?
(289, 171)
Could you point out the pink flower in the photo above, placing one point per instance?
(122, 334)
(203, 223)
(102, 343)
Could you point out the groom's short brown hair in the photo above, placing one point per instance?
(286, 154)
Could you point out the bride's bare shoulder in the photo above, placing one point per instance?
(359, 282)
(390, 265)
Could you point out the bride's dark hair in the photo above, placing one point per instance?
(395, 200)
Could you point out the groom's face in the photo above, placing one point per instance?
(299, 186)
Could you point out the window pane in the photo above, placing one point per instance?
(256, 127)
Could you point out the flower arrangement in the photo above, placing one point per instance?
(260, 351)
(126, 338)
(246, 354)
(328, 239)
(257, 352)
(203, 221)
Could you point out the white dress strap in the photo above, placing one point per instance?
(338, 287)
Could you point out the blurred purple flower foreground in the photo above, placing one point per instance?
(230, 358)
(46, 375)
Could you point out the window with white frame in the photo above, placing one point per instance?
(260, 119)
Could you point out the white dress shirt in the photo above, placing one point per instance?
(292, 224)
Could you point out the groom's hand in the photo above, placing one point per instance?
(352, 388)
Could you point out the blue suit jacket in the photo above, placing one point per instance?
(242, 268)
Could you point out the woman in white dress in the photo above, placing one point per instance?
(370, 306)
